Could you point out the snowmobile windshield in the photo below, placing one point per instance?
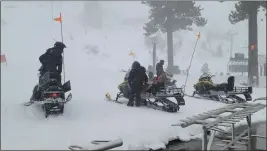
(206, 76)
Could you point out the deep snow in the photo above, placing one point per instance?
(88, 116)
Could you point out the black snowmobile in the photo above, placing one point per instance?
(160, 98)
(207, 89)
(52, 94)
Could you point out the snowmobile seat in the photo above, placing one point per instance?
(231, 83)
(229, 86)
(220, 87)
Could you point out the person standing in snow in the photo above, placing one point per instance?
(159, 67)
(137, 77)
(150, 72)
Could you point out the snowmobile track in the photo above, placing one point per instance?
(149, 105)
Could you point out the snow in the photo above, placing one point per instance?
(88, 116)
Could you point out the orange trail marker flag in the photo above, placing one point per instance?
(59, 18)
(3, 59)
(198, 35)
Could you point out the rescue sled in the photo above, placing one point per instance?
(52, 95)
(225, 92)
(157, 100)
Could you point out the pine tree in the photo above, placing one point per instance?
(170, 16)
(249, 10)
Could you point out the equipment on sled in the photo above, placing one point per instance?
(151, 91)
(52, 94)
(206, 88)
(170, 82)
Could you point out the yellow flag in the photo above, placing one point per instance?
(198, 35)
(131, 54)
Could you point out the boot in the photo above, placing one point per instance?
(137, 100)
(32, 98)
(130, 102)
(137, 104)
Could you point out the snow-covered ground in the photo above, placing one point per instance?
(88, 116)
(94, 118)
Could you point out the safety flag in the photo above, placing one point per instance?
(198, 35)
(59, 18)
(131, 54)
(3, 59)
(252, 47)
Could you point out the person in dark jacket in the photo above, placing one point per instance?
(145, 77)
(136, 79)
(159, 67)
(51, 61)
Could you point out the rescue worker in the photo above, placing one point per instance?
(150, 72)
(137, 77)
(159, 68)
(51, 61)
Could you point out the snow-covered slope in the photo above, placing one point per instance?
(29, 31)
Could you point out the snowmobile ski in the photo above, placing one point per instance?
(28, 103)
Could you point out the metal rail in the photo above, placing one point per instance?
(99, 145)
(227, 121)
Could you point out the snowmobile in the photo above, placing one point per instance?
(52, 94)
(160, 96)
(207, 89)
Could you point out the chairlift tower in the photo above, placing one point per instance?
(154, 53)
(231, 33)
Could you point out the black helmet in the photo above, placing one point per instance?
(59, 44)
(136, 65)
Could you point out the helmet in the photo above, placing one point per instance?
(136, 65)
(59, 44)
(161, 61)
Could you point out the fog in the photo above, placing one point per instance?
(103, 36)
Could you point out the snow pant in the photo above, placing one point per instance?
(135, 95)
(156, 87)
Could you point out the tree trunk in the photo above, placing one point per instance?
(253, 40)
(169, 38)
(154, 57)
